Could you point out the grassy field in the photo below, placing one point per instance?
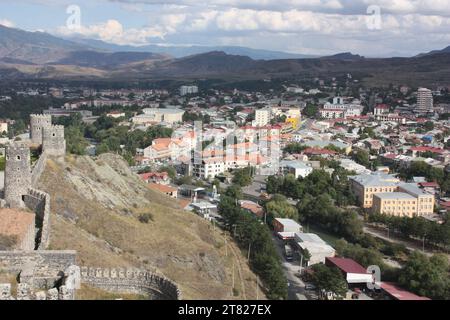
(325, 235)
(95, 210)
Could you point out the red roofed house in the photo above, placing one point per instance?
(156, 177)
(170, 191)
(430, 187)
(318, 152)
(353, 272)
(416, 151)
(381, 109)
(252, 207)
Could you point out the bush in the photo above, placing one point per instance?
(145, 218)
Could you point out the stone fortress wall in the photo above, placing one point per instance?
(39, 202)
(132, 281)
(50, 274)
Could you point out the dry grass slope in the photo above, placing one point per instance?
(95, 209)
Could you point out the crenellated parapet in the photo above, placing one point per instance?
(133, 281)
(24, 292)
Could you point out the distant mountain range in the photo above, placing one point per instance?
(38, 55)
(184, 51)
(445, 50)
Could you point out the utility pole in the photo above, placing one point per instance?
(301, 263)
(257, 293)
(226, 248)
(232, 288)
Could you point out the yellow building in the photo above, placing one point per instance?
(366, 185)
(395, 203)
(386, 194)
(295, 122)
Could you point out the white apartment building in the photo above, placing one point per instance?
(185, 90)
(339, 109)
(262, 117)
(424, 100)
(156, 115)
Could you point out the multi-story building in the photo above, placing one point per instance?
(366, 185)
(156, 115)
(386, 194)
(185, 90)
(395, 203)
(262, 117)
(424, 100)
(339, 109)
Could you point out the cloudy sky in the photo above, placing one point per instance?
(402, 27)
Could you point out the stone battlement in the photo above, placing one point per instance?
(40, 116)
(24, 292)
(132, 281)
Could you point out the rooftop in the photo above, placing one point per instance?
(394, 196)
(398, 293)
(347, 265)
(161, 188)
(376, 180)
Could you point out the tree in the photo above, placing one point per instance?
(330, 280)
(310, 111)
(426, 276)
(279, 207)
(2, 163)
(234, 191)
(170, 171)
(243, 177)
(362, 157)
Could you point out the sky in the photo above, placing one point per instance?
(318, 27)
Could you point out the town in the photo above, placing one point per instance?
(331, 189)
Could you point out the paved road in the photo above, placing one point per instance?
(253, 191)
(408, 244)
(296, 287)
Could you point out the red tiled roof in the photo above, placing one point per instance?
(399, 293)
(425, 149)
(347, 265)
(161, 188)
(429, 184)
(318, 151)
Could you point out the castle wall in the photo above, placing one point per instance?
(131, 281)
(39, 203)
(38, 169)
(24, 292)
(41, 264)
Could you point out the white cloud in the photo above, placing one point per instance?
(7, 23)
(112, 31)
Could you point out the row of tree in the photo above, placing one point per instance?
(109, 134)
(416, 227)
(319, 182)
(251, 234)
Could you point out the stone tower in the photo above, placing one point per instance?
(17, 174)
(53, 142)
(38, 122)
